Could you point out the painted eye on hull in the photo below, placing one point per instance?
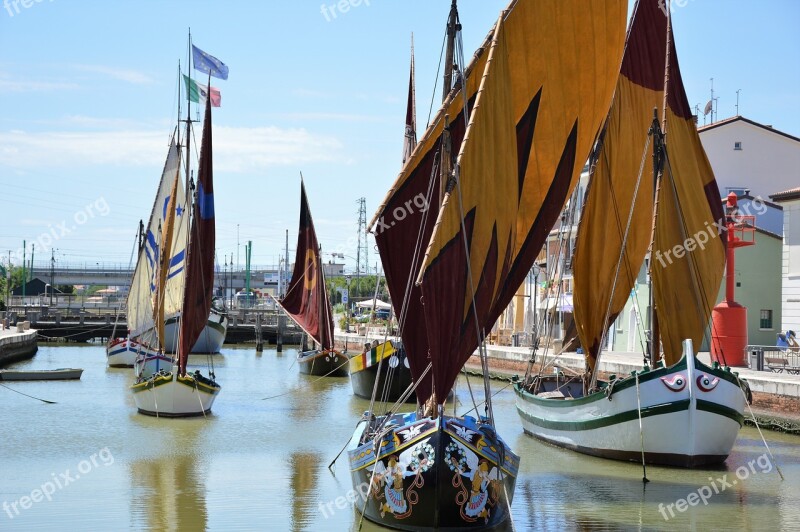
(676, 383)
(706, 384)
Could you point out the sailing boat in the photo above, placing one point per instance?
(677, 411)
(171, 391)
(306, 301)
(385, 366)
(492, 171)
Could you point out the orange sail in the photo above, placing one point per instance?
(532, 126)
(619, 205)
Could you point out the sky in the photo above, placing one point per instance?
(89, 99)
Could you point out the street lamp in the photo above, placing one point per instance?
(46, 286)
(347, 306)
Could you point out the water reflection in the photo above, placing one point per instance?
(168, 488)
(304, 479)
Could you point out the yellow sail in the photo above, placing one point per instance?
(614, 205)
(688, 257)
(545, 91)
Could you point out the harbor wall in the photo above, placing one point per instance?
(17, 346)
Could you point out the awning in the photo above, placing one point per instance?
(370, 302)
(563, 303)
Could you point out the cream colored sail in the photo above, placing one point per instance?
(142, 296)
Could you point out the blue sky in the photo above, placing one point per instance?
(89, 99)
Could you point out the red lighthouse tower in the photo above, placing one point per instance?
(729, 318)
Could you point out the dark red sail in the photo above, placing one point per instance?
(200, 252)
(306, 299)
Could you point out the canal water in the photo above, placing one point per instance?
(260, 461)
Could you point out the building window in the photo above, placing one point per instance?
(766, 319)
(737, 145)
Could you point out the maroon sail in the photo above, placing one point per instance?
(200, 252)
(306, 299)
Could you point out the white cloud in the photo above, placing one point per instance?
(235, 149)
(122, 74)
(8, 84)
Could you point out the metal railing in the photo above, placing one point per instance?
(774, 358)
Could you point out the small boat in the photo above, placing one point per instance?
(677, 411)
(306, 301)
(388, 358)
(61, 374)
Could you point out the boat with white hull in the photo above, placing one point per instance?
(690, 414)
(169, 394)
(174, 276)
(122, 352)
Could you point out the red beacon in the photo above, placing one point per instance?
(729, 318)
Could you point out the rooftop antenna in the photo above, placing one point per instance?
(737, 101)
(712, 100)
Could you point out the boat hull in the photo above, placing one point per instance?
(364, 373)
(122, 352)
(210, 340)
(322, 363)
(433, 474)
(691, 416)
(41, 375)
(169, 395)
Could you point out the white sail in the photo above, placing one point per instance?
(141, 298)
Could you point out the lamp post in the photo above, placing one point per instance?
(347, 306)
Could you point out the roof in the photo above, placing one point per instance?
(733, 119)
(786, 195)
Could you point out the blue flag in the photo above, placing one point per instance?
(208, 64)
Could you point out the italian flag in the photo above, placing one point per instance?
(198, 92)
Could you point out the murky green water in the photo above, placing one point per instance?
(262, 464)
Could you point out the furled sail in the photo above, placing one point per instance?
(410, 141)
(200, 252)
(534, 120)
(306, 299)
(688, 252)
(142, 296)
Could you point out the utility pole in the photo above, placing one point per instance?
(737, 101)
(286, 267)
(24, 274)
(362, 253)
(52, 275)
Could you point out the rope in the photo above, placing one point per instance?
(305, 385)
(641, 430)
(26, 395)
(755, 422)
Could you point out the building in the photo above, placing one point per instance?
(750, 157)
(790, 265)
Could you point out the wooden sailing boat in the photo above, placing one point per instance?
(383, 368)
(677, 411)
(492, 171)
(163, 387)
(306, 301)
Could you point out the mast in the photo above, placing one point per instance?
(452, 27)
(658, 167)
(445, 166)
